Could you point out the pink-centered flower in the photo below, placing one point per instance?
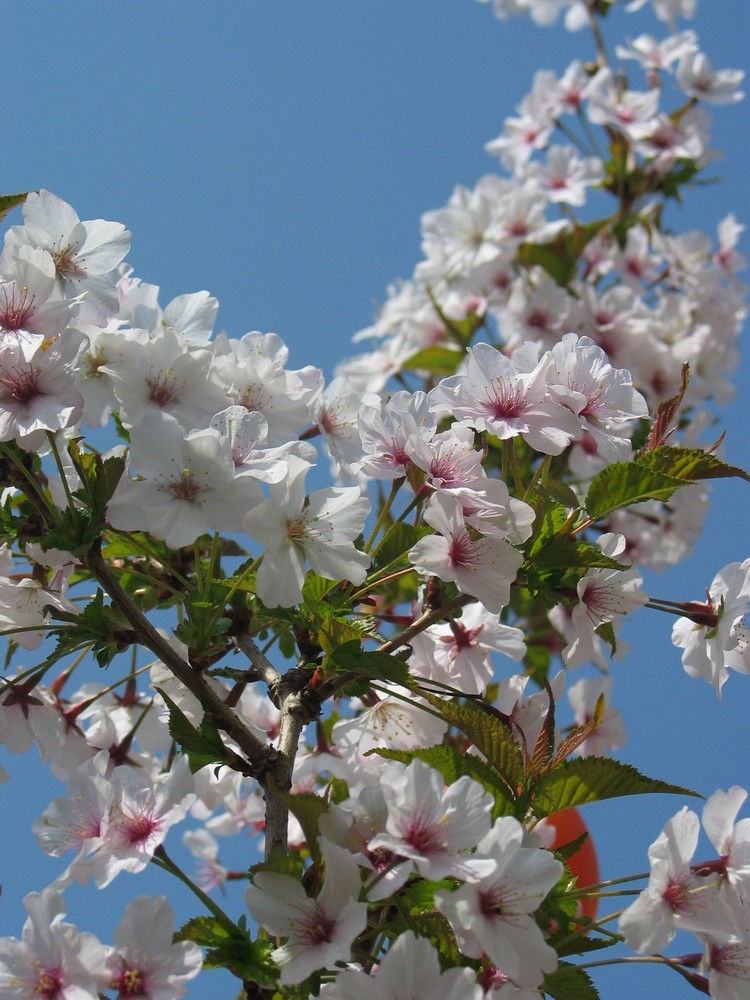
(492, 914)
(431, 824)
(676, 898)
(484, 566)
(410, 970)
(295, 529)
(53, 960)
(144, 962)
(319, 932)
(715, 636)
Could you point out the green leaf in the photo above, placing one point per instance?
(231, 948)
(569, 982)
(568, 553)
(606, 631)
(550, 521)
(690, 464)
(625, 483)
(334, 632)
(82, 525)
(316, 587)
(434, 360)
(308, 809)
(452, 765)
(99, 476)
(393, 552)
(559, 258)
(420, 895)
(591, 779)
(99, 625)
(9, 201)
(548, 257)
(378, 666)
(202, 744)
(488, 734)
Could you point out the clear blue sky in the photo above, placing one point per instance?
(280, 155)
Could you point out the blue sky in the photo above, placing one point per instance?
(280, 155)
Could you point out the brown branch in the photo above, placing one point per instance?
(298, 704)
(424, 621)
(259, 756)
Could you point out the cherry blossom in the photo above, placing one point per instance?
(53, 958)
(429, 824)
(714, 638)
(484, 567)
(492, 914)
(498, 396)
(410, 970)
(295, 529)
(85, 254)
(144, 961)
(319, 931)
(675, 898)
(193, 491)
(602, 595)
(459, 654)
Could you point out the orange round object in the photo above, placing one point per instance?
(568, 826)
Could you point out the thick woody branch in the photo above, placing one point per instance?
(261, 664)
(298, 706)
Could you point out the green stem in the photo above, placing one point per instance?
(61, 471)
(395, 487)
(39, 496)
(239, 580)
(401, 517)
(162, 860)
(510, 466)
(140, 543)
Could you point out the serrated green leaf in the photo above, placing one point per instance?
(625, 483)
(434, 360)
(334, 632)
(580, 944)
(378, 666)
(569, 982)
(420, 895)
(249, 960)
(488, 734)
(9, 202)
(307, 809)
(393, 552)
(99, 625)
(203, 744)
(208, 932)
(561, 493)
(316, 587)
(452, 765)
(356, 689)
(550, 521)
(690, 464)
(606, 631)
(99, 476)
(230, 947)
(568, 553)
(592, 779)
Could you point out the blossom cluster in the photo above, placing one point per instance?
(497, 507)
